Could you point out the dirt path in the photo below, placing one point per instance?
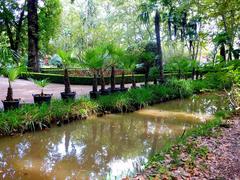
(215, 157)
(225, 152)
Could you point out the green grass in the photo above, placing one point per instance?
(32, 117)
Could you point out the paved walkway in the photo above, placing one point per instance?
(24, 89)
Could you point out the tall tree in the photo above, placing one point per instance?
(147, 9)
(159, 59)
(33, 36)
(12, 16)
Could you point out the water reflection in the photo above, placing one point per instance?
(111, 146)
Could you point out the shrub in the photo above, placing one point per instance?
(141, 97)
(182, 88)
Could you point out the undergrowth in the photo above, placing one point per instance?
(32, 117)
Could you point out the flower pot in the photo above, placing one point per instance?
(94, 95)
(10, 105)
(68, 96)
(124, 89)
(40, 99)
(114, 90)
(105, 92)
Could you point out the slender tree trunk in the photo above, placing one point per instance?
(184, 23)
(179, 73)
(223, 52)
(67, 81)
(175, 31)
(133, 80)
(169, 27)
(9, 92)
(155, 81)
(159, 60)
(147, 75)
(19, 29)
(102, 81)
(123, 81)
(33, 30)
(95, 83)
(112, 78)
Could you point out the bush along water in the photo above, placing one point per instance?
(35, 117)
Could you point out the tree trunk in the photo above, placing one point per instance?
(223, 52)
(95, 84)
(14, 43)
(133, 80)
(9, 92)
(67, 81)
(33, 30)
(102, 81)
(175, 31)
(147, 75)
(159, 61)
(179, 73)
(123, 81)
(113, 78)
(193, 73)
(169, 27)
(184, 24)
(19, 29)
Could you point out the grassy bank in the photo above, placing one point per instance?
(33, 117)
(183, 151)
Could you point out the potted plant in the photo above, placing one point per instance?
(67, 59)
(41, 98)
(113, 58)
(154, 73)
(94, 61)
(128, 62)
(12, 74)
(11, 70)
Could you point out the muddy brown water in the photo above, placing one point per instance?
(110, 147)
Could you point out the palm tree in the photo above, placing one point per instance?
(93, 59)
(113, 58)
(12, 71)
(128, 63)
(42, 97)
(147, 10)
(221, 40)
(67, 59)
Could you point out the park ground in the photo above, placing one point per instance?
(218, 156)
(24, 89)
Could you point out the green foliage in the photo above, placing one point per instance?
(182, 88)
(31, 117)
(94, 58)
(129, 60)
(154, 72)
(67, 58)
(7, 55)
(41, 83)
(49, 22)
(141, 97)
(12, 73)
